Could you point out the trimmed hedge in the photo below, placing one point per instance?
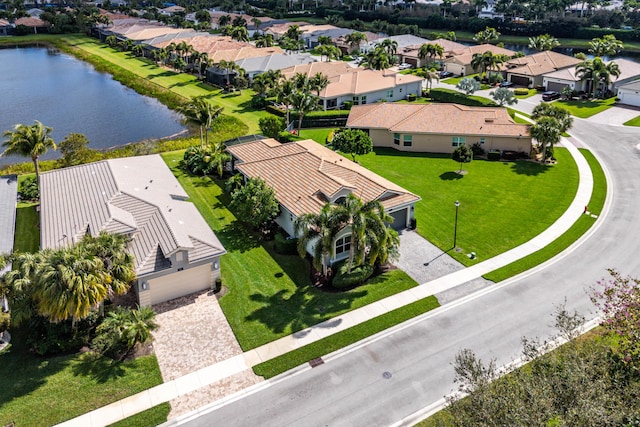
(358, 275)
(452, 96)
(493, 155)
(522, 91)
(285, 246)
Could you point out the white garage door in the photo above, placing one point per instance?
(180, 283)
(629, 98)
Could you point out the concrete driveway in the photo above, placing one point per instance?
(616, 115)
(194, 333)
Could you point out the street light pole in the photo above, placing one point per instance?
(455, 228)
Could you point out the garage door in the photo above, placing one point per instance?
(179, 284)
(520, 81)
(629, 98)
(399, 220)
(555, 86)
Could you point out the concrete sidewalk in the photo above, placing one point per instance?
(218, 371)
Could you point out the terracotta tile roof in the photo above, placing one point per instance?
(628, 70)
(540, 63)
(280, 29)
(31, 22)
(448, 119)
(447, 45)
(329, 69)
(4, 23)
(222, 47)
(216, 17)
(304, 174)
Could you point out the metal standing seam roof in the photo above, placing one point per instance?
(135, 195)
(8, 200)
(304, 174)
(274, 62)
(447, 119)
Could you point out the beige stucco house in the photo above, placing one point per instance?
(529, 71)
(439, 128)
(306, 175)
(176, 253)
(458, 61)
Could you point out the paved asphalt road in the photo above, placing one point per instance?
(351, 390)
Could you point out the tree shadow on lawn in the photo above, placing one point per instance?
(101, 369)
(162, 74)
(529, 168)
(237, 237)
(22, 372)
(384, 151)
(451, 176)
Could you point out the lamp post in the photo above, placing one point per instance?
(455, 227)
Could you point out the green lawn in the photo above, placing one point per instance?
(183, 84)
(344, 338)
(633, 122)
(40, 391)
(587, 108)
(502, 204)
(27, 237)
(530, 94)
(151, 417)
(270, 295)
(598, 196)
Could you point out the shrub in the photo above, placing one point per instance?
(271, 126)
(28, 189)
(122, 329)
(358, 276)
(453, 96)
(477, 149)
(205, 160)
(347, 105)
(521, 91)
(5, 321)
(259, 102)
(46, 338)
(493, 155)
(218, 285)
(353, 142)
(285, 245)
(285, 137)
(412, 97)
(275, 110)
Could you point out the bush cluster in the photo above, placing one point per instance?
(28, 189)
(494, 155)
(521, 91)
(452, 96)
(358, 275)
(285, 246)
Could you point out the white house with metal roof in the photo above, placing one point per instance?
(629, 94)
(176, 252)
(261, 64)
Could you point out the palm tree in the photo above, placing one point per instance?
(224, 20)
(240, 34)
(597, 71)
(256, 24)
(284, 95)
(18, 285)
(70, 284)
(318, 82)
(293, 32)
(29, 141)
(479, 63)
(605, 46)
(430, 51)
(201, 113)
(488, 35)
(265, 40)
(378, 59)
(543, 42)
(304, 101)
(359, 215)
(354, 39)
(585, 72)
(562, 115)
(547, 132)
(390, 46)
(325, 40)
(430, 76)
(321, 230)
(229, 67)
(202, 58)
(605, 72)
(118, 263)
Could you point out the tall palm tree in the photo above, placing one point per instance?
(547, 132)
(284, 94)
(429, 51)
(18, 285)
(479, 63)
(562, 115)
(318, 82)
(354, 39)
(390, 46)
(265, 40)
(240, 34)
(29, 141)
(543, 42)
(378, 59)
(224, 20)
(358, 216)
(202, 59)
(605, 71)
(229, 67)
(112, 250)
(320, 230)
(303, 102)
(201, 112)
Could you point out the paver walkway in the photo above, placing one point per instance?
(228, 368)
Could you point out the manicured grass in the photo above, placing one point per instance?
(270, 295)
(151, 417)
(344, 338)
(182, 84)
(502, 204)
(530, 94)
(27, 237)
(45, 391)
(587, 108)
(580, 227)
(633, 122)
(319, 135)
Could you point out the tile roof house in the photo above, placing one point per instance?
(306, 175)
(403, 41)
(411, 54)
(346, 48)
(358, 85)
(37, 24)
(439, 128)
(175, 251)
(557, 80)
(458, 61)
(8, 201)
(258, 65)
(530, 70)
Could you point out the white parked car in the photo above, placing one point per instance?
(404, 66)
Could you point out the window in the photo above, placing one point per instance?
(458, 141)
(179, 256)
(363, 99)
(407, 140)
(396, 138)
(389, 93)
(356, 100)
(343, 245)
(481, 140)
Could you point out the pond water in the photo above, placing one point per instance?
(72, 97)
